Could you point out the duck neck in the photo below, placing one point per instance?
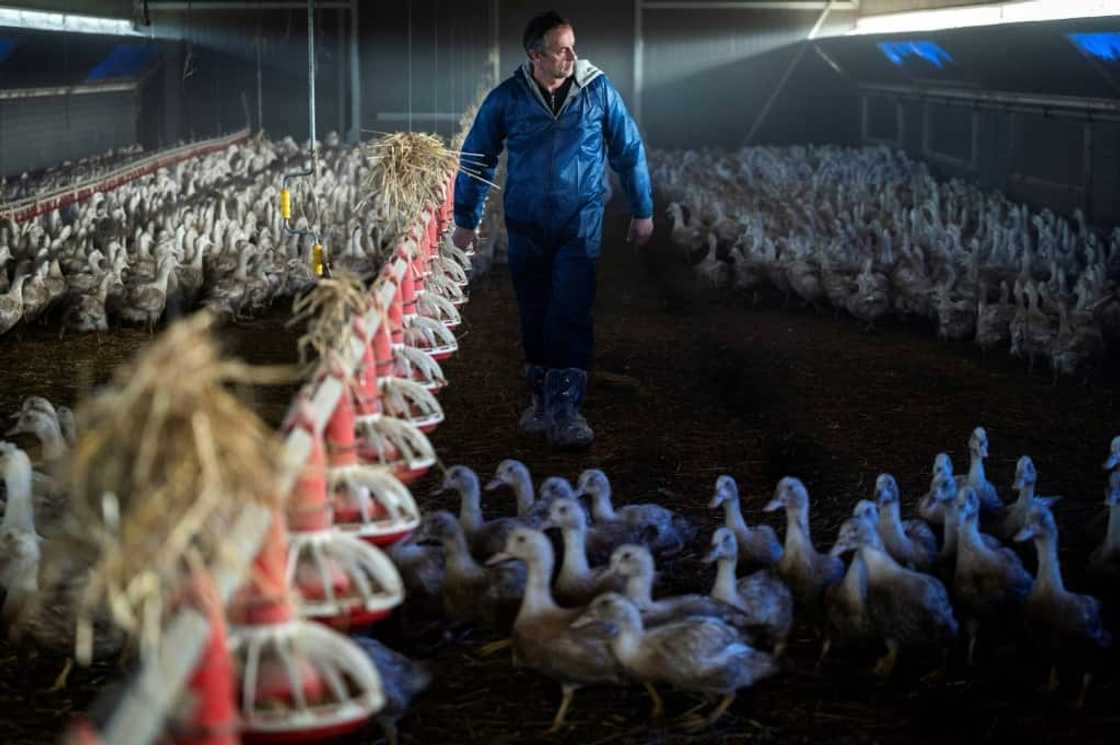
(20, 512)
(523, 493)
(877, 561)
(575, 554)
(952, 528)
(538, 594)
(724, 586)
(1112, 537)
(627, 641)
(890, 521)
(50, 435)
(470, 512)
(1026, 494)
(733, 516)
(976, 468)
(639, 589)
(968, 534)
(797, 525)
(459, 557)
(601, 508)
(1049, 567)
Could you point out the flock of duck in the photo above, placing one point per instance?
(596, 617)
(899, 585)
(205, 232)
(871, 232)
(68, 173)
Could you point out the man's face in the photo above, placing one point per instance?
(558, 58)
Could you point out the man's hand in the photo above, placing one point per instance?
(463, 238)
(641, 229)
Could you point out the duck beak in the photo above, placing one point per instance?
(584, 621)
(1113, 461)
(774, 505)
(712, 556)
(494, 483)
(716, 501)
(1018, 484)
(548, 524)
(500, 558)
(1024, 535)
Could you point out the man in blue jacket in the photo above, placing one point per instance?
(558, 116)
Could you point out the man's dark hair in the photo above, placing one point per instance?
(538, 26)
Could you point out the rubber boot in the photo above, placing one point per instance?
(565, 390)
(534, 420)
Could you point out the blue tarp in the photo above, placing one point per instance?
(898, 51)
(1103, 45)
(124, 61)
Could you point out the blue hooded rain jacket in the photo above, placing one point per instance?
(554, 185)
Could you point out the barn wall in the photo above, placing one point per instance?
(40, 132)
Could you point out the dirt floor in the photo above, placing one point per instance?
(693, 385)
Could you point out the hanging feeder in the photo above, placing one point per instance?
(341, 580)
(423, 333)
(299, 681)
(408, 362)
(362, 503)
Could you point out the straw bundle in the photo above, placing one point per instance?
(166, 458)
(329, 309)
(407, 171)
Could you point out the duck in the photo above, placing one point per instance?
(43, 423)
(11, 305)
(1104, 561)
(805, 570)
(485, 538)
(930, 508)
(907, 608)
(694, 654)
(40, 619)
(993, 321)
(577, 582)
(515, 475)
(912, 543)
(668, 532)
(847, 603)
(543, 637)
(472, 593)
(1113, 459)
(1066, 626)
(762, 595)
(990, 584)
(985, 490)
(1015, 514)
(87, 313)
(402, 680)
(634, 564)
(422, 568)
(757, 545)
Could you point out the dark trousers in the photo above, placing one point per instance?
(554, 281)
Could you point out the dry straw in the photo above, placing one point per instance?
(167, 456)
(329, 309)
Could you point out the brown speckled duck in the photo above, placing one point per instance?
(542, 634)
(762, 595)
(577, 582)
(668, 533)
(1065, 625)
(693, 654)
(805, 570)
(911, 542)
(757, 545)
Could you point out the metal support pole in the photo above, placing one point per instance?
(341, 62)
(311, 84)
(260, 98)
(639, 50)
(495, 42)
(786, 75)
(355, 79)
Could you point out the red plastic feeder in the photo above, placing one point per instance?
(342, 581)
(299, 681)
(367, 501)
(399, 360)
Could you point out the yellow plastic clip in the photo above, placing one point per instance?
(285, 204)
(317, 259)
